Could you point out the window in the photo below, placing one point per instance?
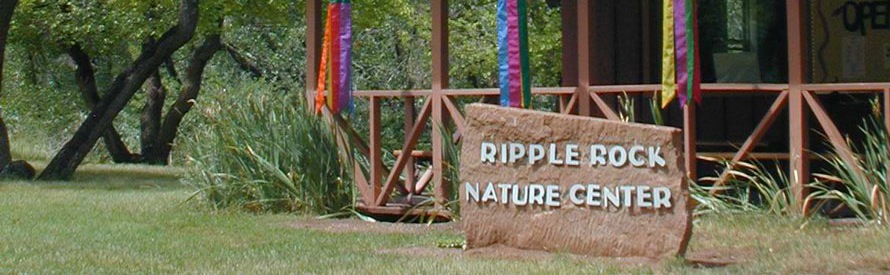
(738, 25)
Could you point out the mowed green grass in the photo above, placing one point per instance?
(134, 219)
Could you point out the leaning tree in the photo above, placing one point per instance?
(142, 37)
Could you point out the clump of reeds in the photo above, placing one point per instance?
(861, 187)
(265, 151)
(750, 187)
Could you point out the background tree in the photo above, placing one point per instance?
(7, 7)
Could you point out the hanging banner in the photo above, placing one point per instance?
(335, 72)
(681, 71)
(513, 61)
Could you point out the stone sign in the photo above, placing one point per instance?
(542, 181)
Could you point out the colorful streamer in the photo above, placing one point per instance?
(513, 61)
(668, 61)
(334, 72)
(681, 70)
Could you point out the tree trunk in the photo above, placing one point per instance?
(123, 88)
(86, 83)
(7, 7)
(151, 119)
(190, 89)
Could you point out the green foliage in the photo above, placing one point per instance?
(265, 152)
(751, 187)
(473, 46)
(865, 196)
(627, 112)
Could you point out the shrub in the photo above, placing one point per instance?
(866, 195)
(265, 151)
(752, 188)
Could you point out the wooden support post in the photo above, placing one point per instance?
(799, 173)
(583, 30)
(313, 48)
(376, 156)
(440, 82)
(409, 123)
(689, 145)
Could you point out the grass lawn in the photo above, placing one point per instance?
(124, 219)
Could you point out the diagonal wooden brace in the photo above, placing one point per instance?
(834, 136)
(414, 135)
(752, 140)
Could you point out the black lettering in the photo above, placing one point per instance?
(864, 15)
(880, 15)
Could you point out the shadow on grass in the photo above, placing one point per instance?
(119, 177)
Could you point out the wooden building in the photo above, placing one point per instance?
(780, 76)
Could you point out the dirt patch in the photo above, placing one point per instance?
(709, 258)
(500, 252)
(360, 226)
(715, 258)
(871, 264)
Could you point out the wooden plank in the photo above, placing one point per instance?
(571, 106)
(849, 87)
(392, 93)
(414, 154)
(709, 156)
(363, 187)
(604, 107)
(410, 170)
(424, 181)
(721, 88)
(759, 131)
(402, 211)
(375, 144)
(689, 139)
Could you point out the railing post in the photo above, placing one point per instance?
(583, 84)
(374, 144)
(313, 47)
(409, 123)
(440, 82)
(799, 173)
(689, 141)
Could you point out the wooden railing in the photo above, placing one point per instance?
(379, 183)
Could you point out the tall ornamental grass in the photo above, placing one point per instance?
(865, 195)
(751, 188)
(264, 151)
